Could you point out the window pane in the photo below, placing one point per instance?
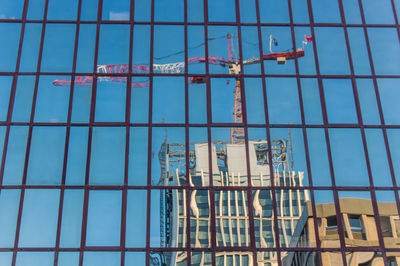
(94, 258)
(77, 154)
(47, 145)
(378, 13)
(326, 11)
(339, 99)
(108, 156)
(348, 157)
(15, 159)
(23, 99)
(9, 204)
(368, 103)
(30, 47)
(283, 101)
(116, 10)
(319, 161)
(104, 218)
(136, 218)
(385, 50)
(388, 92)
(64, 10)
(5, 90)
(35, 258)
(71, 219)
(39, 218)
(138, 144)
(274, 11)
(333, 57)
(311, 101)
(58, 48)
(168, 10)
(9, 46)
(215, 7)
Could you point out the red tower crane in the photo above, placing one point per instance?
(234, 67)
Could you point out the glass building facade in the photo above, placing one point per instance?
(199, 132)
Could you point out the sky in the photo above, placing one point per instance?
(108, 146)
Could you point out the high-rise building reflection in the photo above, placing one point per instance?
(231, 216)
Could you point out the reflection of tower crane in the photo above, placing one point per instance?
(234, 67)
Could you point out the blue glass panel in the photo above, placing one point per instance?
(6, 258)
(23, 99)
(319, 162)
(352, 11)
(116, 10)
(108, 156)
(71, 219)
(47, 146)
(348, 157)
(113, 44)
(332, 51)
(9, 46)
(378, 158)
(58, 48)
(136, 218)
(30, 47)
(359, 51)
(300, 11)
(36, 9)
(15, 159)
(368, 104)
(307, 62)
(215, 8)
(39, 218)
(168, 100)
(89, 9)
(86, 45)
(142, 10)
(68, 258)
(247, 11)
(104, 218)
(35, 258)
(283, 101)
(378, 12)
(394, 146)
(311, 101)
(389, 93)
(326, 11)
(135, 258)
(102, 258)
(77, 155)
(52, 101)
(168, 10)
(339, 99)
(9, 204)
(385, 50)
(274, 11)
(254, 101)
(5, 90)
(110, 101)
(11, 9)
(81, 104)
(138, 143)
(62, 10)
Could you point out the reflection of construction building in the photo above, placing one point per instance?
(360, 230)
(232, 224)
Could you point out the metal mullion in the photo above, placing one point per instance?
(396, 19)
(305, 139)
(187, 170)
(211, 188)
(12, 94)
(246, 140)
(272, 188)
(89, 148)
(28, 145)
(127, 137)
(68, 132)
(325, 119)
(385, 137)
(149, 138)
(360, 121)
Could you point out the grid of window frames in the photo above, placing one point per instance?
(199, 132)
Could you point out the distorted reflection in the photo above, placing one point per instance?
(229, 219)
(358, 222)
